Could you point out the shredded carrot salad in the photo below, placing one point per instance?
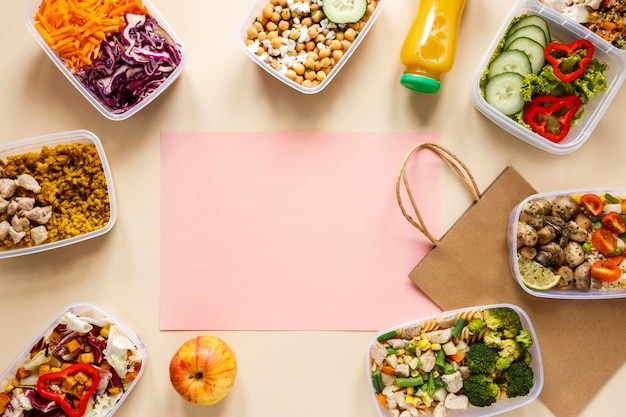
(75, 28)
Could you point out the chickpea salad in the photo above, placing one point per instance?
(84, 364)
(575, 241)
(455, 361)
(297, 41)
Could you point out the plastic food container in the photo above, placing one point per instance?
(88, 313)
(592, 293)
(500, 406)
(565, 30)
(251, 50)
(106, 110)
(35, 145)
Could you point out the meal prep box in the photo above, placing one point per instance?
(564, 30)
(35, 145)
(501, 405)
(251, 50)
(112, 114)
(513, 249)
(97, 317)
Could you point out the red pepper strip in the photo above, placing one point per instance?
(550, 116)
(555, 53)
(50, 386)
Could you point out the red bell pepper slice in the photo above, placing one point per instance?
(556, 54)
(614, 222)
(550, 116)
(592, 203)
(60, 387)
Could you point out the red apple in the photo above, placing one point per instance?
(203, 370)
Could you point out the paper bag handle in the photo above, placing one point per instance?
(459, 167)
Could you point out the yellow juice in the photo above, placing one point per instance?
(430, 45)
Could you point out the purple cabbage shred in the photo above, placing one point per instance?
(131, 64)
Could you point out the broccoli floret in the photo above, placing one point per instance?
(493, 338)
(526, 357)
(475, 326)
(503, 319)
(516, 380)
(510, 349)
(481, 358)
(480, 389)
(502, 363)
(524, 338)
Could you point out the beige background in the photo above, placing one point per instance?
(308, 374)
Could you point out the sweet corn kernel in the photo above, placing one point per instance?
(424, 344)
(435, 346)
(104, 332)
(9, 388)
(15, 382)
(410, 390)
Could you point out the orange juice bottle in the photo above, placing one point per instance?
(430, 46)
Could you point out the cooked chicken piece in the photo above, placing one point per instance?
(439, 336)
(428, 359)
(25, 203)
(4, 204)
(12, 208)
(402, 370)
(4, 229)
(16, 236)
(447, 321)
(378, 353)
(397, 343)
(388, 380)
(39, 234)
(464, 370)
(456, 402)
(7, 187)
(40, 215)
(440, 410)
(454, 381)
(577, 12)
(411, 331)
(28, 182)
(19, 223)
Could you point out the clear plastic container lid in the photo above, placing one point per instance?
(565, 30)
(29, 16)
(35, 145)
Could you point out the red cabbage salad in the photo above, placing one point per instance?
(115, 48)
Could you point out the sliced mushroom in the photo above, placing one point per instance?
(567, 278)
(577, 233)
(582, 276)
(528, 252)
(565, 207)
(558, 257)
(526, 235)
(574, 254)
(546, 234)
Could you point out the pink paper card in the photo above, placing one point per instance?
(291, 231)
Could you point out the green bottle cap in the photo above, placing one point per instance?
(420, 83)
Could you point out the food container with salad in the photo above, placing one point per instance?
(120, 54)
(471, 362)
(83, 363)
(305, 43)
(547, 79)
(570, 244)
(55, 190)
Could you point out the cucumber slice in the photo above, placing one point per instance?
(510, 61)
(532, 32)
(535, 21)
(532, 49)
(344, 11)
(504, 92)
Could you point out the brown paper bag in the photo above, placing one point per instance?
(581, 341)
